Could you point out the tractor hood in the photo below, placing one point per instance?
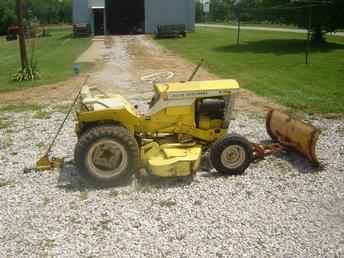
(195, 89)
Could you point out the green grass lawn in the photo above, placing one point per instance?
(55, 56)
(272, 65)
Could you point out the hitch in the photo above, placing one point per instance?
(46, 163)
(50, 163)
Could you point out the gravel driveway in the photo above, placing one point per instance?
(281, 207)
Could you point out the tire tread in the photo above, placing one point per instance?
(106, 131)
(221, 144)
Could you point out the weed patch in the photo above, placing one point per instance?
(41, 115)
(20, 108)
(4, 183)
(83, 195)
(4, 123)
(61, 108)
(167, 203)
(7, 142)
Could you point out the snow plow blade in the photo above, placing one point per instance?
(293, 134)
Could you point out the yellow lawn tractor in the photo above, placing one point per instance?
(185, 120)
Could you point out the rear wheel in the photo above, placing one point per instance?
(107, 155)
(232, 154)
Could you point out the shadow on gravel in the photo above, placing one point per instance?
(301, 164)
(148, 183)
(214, 174)
(70, 180)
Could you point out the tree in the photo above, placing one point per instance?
(45, 11)
(7, 15)
(321, 15)
(28, 70)
(22, 43)
(199, 12)
(218, 10)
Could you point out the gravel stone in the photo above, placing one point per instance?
(282, 206)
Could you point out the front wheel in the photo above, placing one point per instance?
(232, 154)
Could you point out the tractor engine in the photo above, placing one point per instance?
(212, 113)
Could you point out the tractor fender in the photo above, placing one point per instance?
(109, 116)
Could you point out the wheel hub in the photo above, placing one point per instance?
(233, 156)
(107, 158)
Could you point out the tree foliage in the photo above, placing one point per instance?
(199, 12)
(326, 15)
(224, 10)
(322, 15)
(218, 10)
(7, 14)
(44, 11)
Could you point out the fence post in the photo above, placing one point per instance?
(308, 46)
(238, 30)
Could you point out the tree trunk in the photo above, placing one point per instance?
(22, 44)
(318, 36)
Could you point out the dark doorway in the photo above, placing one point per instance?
(98, 15)
(125, 16)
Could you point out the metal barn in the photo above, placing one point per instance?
(133, 16)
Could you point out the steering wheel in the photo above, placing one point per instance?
(157, 77)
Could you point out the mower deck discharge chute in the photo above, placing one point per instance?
(172, 160)
(185, 120)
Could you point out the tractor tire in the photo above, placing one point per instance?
(231, 155)
(107, 155)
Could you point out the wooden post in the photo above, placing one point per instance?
(22, 44)
(308, 44)
(104, 20)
